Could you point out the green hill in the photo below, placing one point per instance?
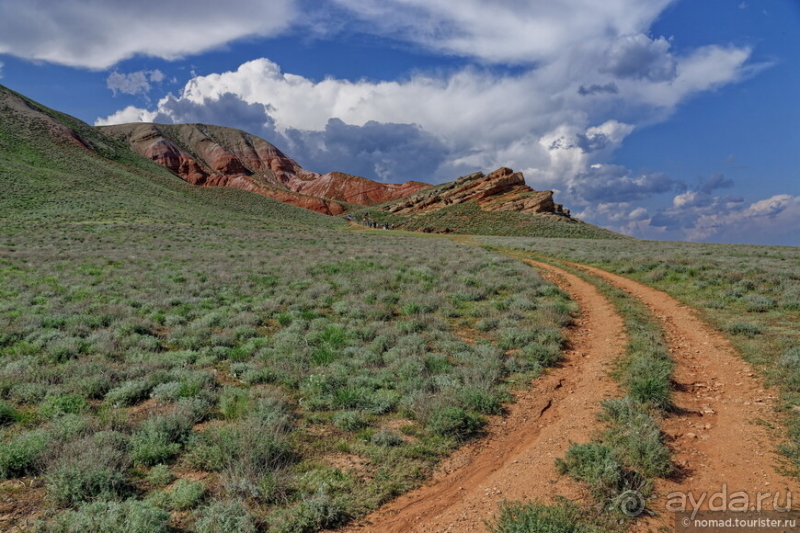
(152, 330)
(55, 168)
(469, 219)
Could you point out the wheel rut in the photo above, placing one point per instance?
(720, 436)
(515, 461)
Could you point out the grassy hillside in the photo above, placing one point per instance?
(47, 176)
(181, 358)
(468, 218)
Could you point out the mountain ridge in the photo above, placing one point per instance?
(216, 156)
(51, 162)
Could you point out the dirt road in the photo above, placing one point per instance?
(516, 460)
(720, 436)
(717, 435)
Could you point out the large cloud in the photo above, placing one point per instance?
(389, 152)
(616, 184)
(638, 56)
(227, 109)
(99, 33)
(587, 75)
(538, 121)
(513, 31)
(697, 213)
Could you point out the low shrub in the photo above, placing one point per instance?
(53, 406)
(128, 393)
(224, 517)
(160, 476)
(636, 437)
(186, 494)
(648, 381)
(130, 516)
(93, 387)
(86, 471)
(533, 517)
(349, 420)
(455, 422)
(21, 456)
(758, 303)
(596, 465)
(320, 511)
(480, 400)
(745, 329)
(386, 437)
(7, 414)
(487, 324)
(789, 367)
(167, 392)
(161, 438)
(545, 354)
(233, 402)
(512, 338)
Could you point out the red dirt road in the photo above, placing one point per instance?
(719, 437)
(516, 460)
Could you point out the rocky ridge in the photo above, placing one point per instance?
(501, 190)
(215, 156)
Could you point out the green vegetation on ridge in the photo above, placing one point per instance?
(468, 218)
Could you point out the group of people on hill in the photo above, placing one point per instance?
(367, 223)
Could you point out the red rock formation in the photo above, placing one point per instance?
(355, 189)
(502, 190)
(215, 156)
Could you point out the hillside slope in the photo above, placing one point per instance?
(217, 156)
(55, 167)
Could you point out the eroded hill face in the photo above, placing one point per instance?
(502, 190)
(224, 157)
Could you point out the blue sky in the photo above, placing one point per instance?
(663, 119)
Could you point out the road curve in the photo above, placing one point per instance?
(516, 459)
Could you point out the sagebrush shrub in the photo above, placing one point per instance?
(22, 454)
(130, 516)
(186, 494)
(86, 470)
(224, 517)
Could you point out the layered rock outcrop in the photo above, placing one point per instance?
(215, 156)
(502, 190)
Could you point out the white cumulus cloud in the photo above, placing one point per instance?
(771, 220)
(536, 121)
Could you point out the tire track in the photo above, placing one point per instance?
(515, 461)
(717, 436)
